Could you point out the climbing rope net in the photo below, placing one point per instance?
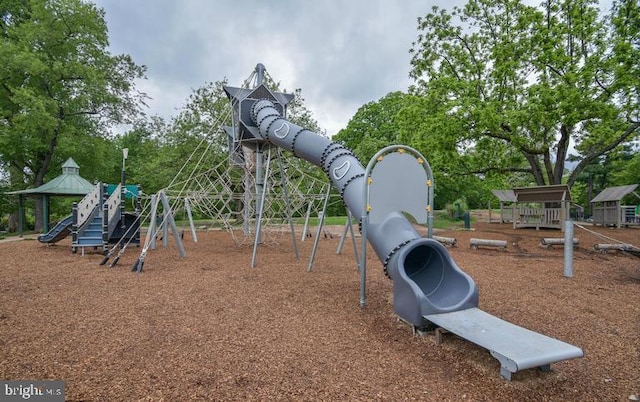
(218, 182)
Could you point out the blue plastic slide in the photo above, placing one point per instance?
(61, 230)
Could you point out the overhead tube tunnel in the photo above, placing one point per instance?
(426, 279)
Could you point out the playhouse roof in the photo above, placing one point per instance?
(553, 193)
(504, 195)
(68, 183)
(614, 193)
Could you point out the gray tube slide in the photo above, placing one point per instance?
(426, 279)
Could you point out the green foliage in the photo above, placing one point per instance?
(373, 127)
(618, 168)
(444, 220)
(148, 163)
(299, 114)
(414, 120)
(59, 87)
(457, 208)
(509, 86)
(626, 167)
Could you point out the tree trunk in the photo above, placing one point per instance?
(535, 169)
(561, 153)
(13, 222)
(16, 182)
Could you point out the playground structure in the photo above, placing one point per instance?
(608, 210)
(239, 184)
(429, 288)
(100, 219)
(456, 324)
(225, 194)
(246, 187)
(541, 207)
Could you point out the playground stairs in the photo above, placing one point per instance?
(91, 236)
(97, 216)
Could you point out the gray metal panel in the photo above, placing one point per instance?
(398, 183)
(237, 94)
(262, 92)
(614, 193)
(505, 195)
(516, 348)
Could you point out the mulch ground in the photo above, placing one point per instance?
(210, 327)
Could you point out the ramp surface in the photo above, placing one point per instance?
(515, 347)
(61, 230)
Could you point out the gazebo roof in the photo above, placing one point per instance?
(504, 195)
(614, 193)
(68, 183)
(553, 193)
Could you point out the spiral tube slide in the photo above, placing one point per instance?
(426, 279)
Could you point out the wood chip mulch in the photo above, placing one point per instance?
(210, 327)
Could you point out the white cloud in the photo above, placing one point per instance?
(342, 54)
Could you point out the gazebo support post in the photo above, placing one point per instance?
(45, 213)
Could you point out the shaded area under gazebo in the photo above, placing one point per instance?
(68, 184)
(607, 208)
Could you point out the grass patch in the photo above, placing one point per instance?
(441, 220)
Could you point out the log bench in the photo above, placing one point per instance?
(447, 241)
(475, 243)
(549, 242)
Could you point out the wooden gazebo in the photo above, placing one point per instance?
(607, 208)
(541, 207)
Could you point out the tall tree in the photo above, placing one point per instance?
(400, 118)
(58, 80)
(516, 86)
(374, 126)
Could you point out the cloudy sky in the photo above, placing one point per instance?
(342, 54)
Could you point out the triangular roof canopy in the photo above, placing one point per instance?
(553, 193)
(614, 193)
(504, 195)
(68, 183)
